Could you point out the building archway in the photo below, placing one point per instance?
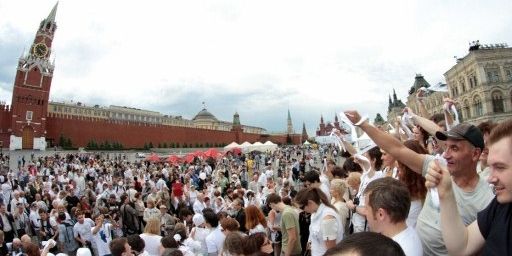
(27, 138)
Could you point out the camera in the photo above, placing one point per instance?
(356, 200)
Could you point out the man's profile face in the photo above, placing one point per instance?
(500, 163)
(373, 222)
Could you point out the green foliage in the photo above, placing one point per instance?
(150, 144)
(184, 145)
(171, 145)
(146, 146)
(164, 145)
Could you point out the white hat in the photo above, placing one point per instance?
(83, 252)
(202, 176)
(198, 219)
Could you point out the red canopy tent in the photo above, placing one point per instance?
(153, 158)
(189, 158)
(212, 152)
(173, 159)
(198, 153)
(235, 151)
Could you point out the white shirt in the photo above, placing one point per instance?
(152, 244)
(84, 230)
(198, 207)
(410, 242)
(200, 235)
(103, 238)
(321, 230)
(215, 240)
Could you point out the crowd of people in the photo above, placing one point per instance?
(420, 189)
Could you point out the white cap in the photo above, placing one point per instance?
(198, 219)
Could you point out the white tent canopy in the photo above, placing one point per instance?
(231, 146)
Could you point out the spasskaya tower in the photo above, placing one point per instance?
(32, 89)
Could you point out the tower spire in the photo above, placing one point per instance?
(289, 123)
(304, 132)
(53, 13)
(394, 95)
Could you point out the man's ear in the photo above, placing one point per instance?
(381, 214)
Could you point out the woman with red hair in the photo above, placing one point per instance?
(415, 183)
(255, 221)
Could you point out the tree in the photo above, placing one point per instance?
(165, 145)
(171, 144)
(146, 146)
(379, 120)
(150, 144)
(62, 140)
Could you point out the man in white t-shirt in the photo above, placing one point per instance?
(214, 240)
(387, 203)
(82, 230)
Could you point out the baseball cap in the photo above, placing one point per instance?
(464, 131)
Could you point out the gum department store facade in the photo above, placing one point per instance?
(480, 82)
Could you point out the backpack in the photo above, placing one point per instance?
(68, 239)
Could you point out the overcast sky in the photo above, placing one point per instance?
(259, 58)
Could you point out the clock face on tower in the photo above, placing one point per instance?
(40, 50)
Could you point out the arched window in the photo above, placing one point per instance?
(477, 103)
(467, 110)
(497, 102)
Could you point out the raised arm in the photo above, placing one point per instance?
(459, 240)
(389, 143)
(425, 123)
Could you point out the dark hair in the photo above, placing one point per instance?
(273, 199)
(339, 172)
(230, 224)
(172, 252)
(234, 243)
(136, 243)
(312, 176)
(169, 242)
(117, 246)
(414, 181)
(501, 131)
(391, 195)
(436, 118)
(350, 166)
(211, 218)
(376, 155)
(253, 243)
(61, 216)
(367, 244)
(314, 194)
(486, 127)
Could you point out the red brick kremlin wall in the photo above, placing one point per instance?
(135, 135)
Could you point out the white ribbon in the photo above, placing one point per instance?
(433, 191)
(405, 121)
(453, 110)
(337, 140)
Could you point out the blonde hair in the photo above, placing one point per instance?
(339, 186)
(354, 179)
(152, 226)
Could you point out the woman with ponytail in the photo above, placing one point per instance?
(326, 229)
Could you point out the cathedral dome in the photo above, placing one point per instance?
(204, 115)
